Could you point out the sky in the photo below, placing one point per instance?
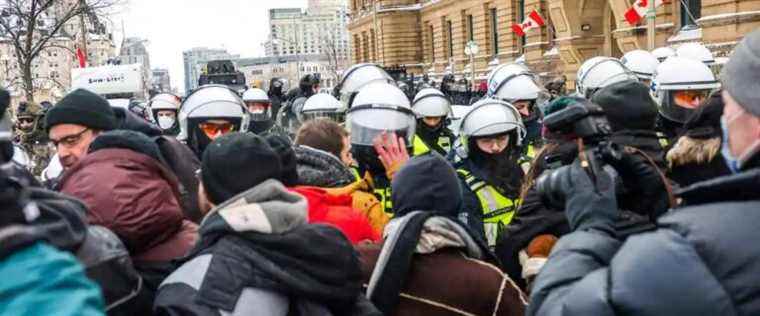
(172, 26)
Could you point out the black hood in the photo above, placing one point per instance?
(321, 169)
(62, 219)
(426, 183)
(126, 120)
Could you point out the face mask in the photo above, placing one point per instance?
(165, 122)
(732, 162)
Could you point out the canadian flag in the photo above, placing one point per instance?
(639, 10)
(532, 21)
(82, 58)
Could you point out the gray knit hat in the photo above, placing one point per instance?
(741, 75)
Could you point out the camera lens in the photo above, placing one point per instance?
(549, 187)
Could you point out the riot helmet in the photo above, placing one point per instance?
(322, 105)
(681, 84)
(662, 53)
(492, 117)
(599, 72)
(209, 112)
(696, 51)
(356, 77)
(642, 63)
(431, 102)
(164, 108)
(378, 108)
(517, 85)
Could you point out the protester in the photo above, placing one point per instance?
(323, 207)
(257, 254)
(696, 262)
(323, 159)
(127, 190)
(425, 245)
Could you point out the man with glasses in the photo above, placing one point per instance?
(74, 122)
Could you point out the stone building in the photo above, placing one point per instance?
(429, 36)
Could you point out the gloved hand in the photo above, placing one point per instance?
(644, 185)
(590, 204)
(392, 152)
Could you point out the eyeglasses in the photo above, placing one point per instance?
(70, 140)
(214, 130)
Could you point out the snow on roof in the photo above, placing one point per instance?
(686, 35)
(727, 16)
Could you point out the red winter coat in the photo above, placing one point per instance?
(136, 197)
(337, 211)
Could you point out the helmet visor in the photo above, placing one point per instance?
(367, 122)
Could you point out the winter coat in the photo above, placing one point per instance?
(134, 195)
(106, 261)
(700, 261)
(693, 160)
(258, 256)
(41, 280)
(322, 169)
(183, 162)
(337, 211)
(449, 274)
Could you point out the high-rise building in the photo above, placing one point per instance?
(195, 58)
(320, 29)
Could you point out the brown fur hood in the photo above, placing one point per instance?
(690, 150)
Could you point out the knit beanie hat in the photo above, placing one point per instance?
(741, 74)
(627, 105)
(426, 183)
(236, 162)
(82, 107)
(284, 149)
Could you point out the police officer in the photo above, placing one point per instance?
(696, 51)
(355, 78)
(517, 85)
(599, 72)
(432, 108)
(322, 105)
(164, 107)
(490, 175)
(382, 125)
(662, 53)
(31, 135)
(642, 63)
(260, 111)
(209, 112)
(681, 84)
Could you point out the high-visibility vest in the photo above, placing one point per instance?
(527, 159)
(498, 210)
(382, 194)
(420, 148)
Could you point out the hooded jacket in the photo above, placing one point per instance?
(131, 193)
(425, 245)
(257, 255)
(698, 261)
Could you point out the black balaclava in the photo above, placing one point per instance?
(259, 127)
(499, 169)
(197, 139)
(367, 158)
(430, 134)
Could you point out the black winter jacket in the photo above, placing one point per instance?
(701, 261)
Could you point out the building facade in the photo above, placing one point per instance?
(161, 81)
(194, 60)
(320, 29)
(429, 36)
(259, 71)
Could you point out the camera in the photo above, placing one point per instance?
(584, 120)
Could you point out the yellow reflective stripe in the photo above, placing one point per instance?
(355, 171)
(531, 152)
(384, 195)
(445, 143)
(419, 146)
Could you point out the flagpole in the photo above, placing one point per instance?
(651, 19)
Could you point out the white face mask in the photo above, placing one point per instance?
(165, 122)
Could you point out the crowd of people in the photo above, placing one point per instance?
(633, 195)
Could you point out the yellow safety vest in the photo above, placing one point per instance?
(498, 210)
(382, 194)
(527, 159)
(420, 148)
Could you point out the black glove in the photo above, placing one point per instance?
(591, 205)
(645, 192)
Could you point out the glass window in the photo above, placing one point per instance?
(470, 29)
(494, 32)
(450, 38)
(691, 10)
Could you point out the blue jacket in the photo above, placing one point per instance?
(40, 280)
(702, 260)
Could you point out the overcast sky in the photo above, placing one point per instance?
(172, 26)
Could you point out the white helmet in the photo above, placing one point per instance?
(517, 83)
(679, 74)
(507, 68)
(380, 107)
(641, 62)
(662, 53)
(356, 77)
(322, 105)
(164, 102)
(492, 117)
(210, 102)
(599, 72)
(696, 51)
(256, 95)
(431, 102)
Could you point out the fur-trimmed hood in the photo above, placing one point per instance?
(690, 150)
